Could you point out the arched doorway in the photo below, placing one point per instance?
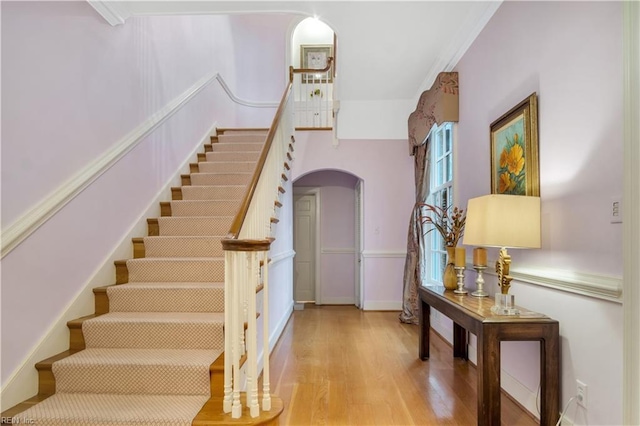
(327, 238)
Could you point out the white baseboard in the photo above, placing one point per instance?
(519, 392)
(276, 258)
(382, 305)
(23, 382)
(339, 301)
(275, 335)
(277, 332)
(384, 253)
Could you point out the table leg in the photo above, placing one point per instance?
(460, 349)
(425, 325)
(550, 376)
(488, 376)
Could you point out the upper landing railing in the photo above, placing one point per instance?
(313, 94)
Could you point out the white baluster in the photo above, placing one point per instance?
(266, 391)
(252, 337)
(242, 301)
(236, 409)
(226, 405)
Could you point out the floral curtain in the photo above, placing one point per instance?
(436, 106)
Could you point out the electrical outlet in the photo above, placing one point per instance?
(581, 393)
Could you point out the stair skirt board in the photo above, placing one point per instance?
(149, 360)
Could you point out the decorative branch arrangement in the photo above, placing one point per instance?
(449, 225)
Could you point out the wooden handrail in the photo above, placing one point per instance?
(247, 245)
(238, 220)
(293, 70)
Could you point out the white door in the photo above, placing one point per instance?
(358, 245)
(304, 243)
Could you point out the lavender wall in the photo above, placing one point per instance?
(387, 173)
(259, 63)
(552, 48)
(337, 239)
(74, 87)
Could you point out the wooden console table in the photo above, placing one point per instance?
(474, 315)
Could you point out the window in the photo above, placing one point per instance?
(440, 194)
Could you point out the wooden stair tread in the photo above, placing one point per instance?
(223, 130)
(46, 364)
(77, 322)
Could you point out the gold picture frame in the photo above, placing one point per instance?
(515, 168)
(315, 56)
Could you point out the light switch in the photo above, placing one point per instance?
(616, 210)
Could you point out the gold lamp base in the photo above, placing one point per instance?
(502, 268)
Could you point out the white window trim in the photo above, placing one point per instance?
(427, 278)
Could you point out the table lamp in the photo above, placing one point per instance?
(504, 221)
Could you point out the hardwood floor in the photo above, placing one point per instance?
(337, 365)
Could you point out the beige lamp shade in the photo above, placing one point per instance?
(511, 221)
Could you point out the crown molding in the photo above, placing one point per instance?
(112, 12)
(447, 60)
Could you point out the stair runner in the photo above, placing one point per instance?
(147, 361)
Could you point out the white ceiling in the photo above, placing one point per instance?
(387, 50)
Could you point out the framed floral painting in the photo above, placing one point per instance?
(514, 150)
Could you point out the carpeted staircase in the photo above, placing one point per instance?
(151, 355)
